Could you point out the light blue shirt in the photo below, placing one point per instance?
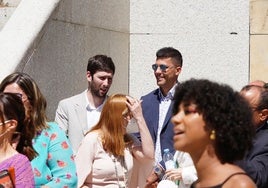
(165, 102)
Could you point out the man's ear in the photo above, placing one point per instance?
(264, 115)
(89, 76)
(178, 70)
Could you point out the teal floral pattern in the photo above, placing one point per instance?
(54, 166)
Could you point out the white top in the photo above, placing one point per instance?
(96, 168)
(93, 114)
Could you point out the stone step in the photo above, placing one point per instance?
(10, 3)
(7, 7)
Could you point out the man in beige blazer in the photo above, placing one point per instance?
(77, 114)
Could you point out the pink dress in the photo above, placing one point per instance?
(24, 177)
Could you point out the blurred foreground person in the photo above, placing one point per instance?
(213, 124)
(255, 163)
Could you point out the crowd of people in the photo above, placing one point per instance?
(218, 136)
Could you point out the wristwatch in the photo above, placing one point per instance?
(158, 171)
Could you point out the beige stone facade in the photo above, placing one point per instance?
(259, 40)
(225, 41)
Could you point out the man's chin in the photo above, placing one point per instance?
(160, 83)
(102, 95)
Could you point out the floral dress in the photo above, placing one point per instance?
(54, 166)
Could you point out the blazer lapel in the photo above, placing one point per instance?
(155, 108)
(80, 108)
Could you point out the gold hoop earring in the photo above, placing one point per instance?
(212, 135)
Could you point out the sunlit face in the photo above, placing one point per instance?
(15, 88)
(100, 83)
(167, 78)
(189, 129)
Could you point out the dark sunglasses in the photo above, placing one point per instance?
(163, 68)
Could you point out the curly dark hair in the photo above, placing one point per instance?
(224, 110)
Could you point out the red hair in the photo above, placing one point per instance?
(111, 124)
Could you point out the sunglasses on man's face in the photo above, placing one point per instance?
(163, 68)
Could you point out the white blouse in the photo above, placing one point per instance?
(96, 168)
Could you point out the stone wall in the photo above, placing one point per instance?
(259, 40)
(213, 38)
(7, 7)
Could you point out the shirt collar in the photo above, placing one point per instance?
(170, 94)
(89, 107)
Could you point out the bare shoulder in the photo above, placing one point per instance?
(240, 181)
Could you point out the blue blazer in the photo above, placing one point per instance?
(255, 162)
(150, 109)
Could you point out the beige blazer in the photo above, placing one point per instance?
(71, 116)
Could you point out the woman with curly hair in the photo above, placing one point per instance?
(213, 123)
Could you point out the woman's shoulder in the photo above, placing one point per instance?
(17, 159)
(91, 141)
(53, 128)
(21, 157)
(53, 133)
(236, 177)
(92, 136)
(241, 180)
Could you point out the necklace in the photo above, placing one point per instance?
(122, 163)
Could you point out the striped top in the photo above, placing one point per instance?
(24, 177)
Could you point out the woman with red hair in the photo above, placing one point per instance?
(106, 155)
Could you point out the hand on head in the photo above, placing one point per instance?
(134, 106)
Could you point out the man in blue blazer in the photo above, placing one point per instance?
(255, 163)
(157, 105)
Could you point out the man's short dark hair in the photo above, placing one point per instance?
(100, 63)
(171, 52)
